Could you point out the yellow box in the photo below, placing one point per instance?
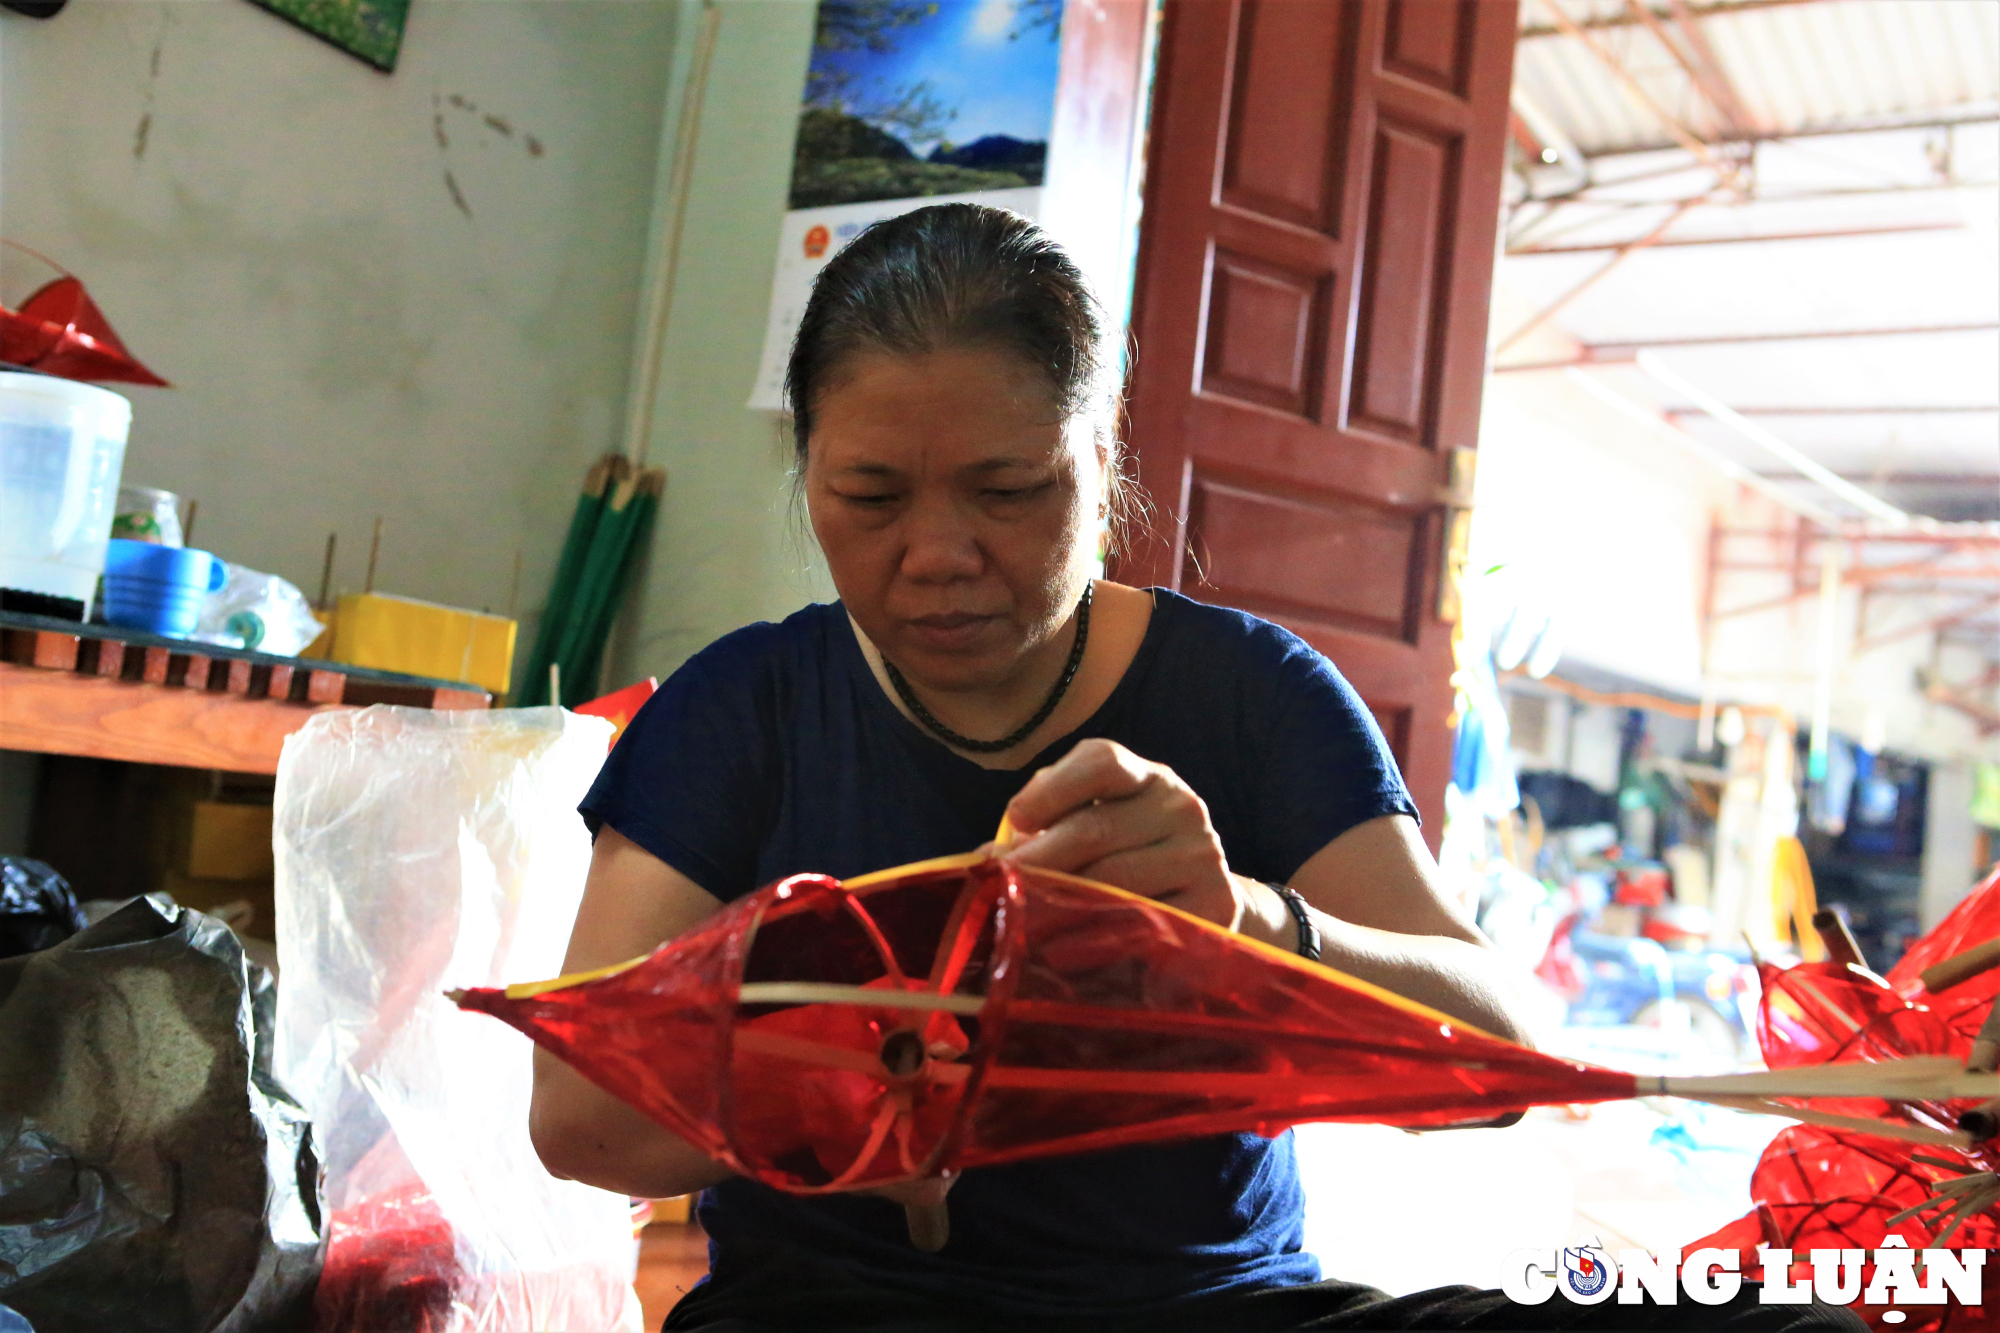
(391, 633)
(323, 643)
(228, 841)
(246, 904)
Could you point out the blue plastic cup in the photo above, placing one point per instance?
(159, 588)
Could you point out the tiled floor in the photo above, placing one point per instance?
(672, 1258)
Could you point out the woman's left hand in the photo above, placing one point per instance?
(1106, 814)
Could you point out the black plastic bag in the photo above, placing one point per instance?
(37, 908)
(154, 1175)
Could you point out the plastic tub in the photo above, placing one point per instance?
(158, 589)
(62, 445)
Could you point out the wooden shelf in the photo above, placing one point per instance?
(116, 694)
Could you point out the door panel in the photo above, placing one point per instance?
(1265, 323)
(1404, 282)
(1315, 263)
(1282, 158)
(1329, 559)
(1430, 41)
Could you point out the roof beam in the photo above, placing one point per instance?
(1966, 536)
(1712, 77)
(1801, 335)
(1906, 478)
(1728, 174)
(1958, 615)
(1625, 20)
(1977, 113)
(1623, 351)
(1966, 700)
(1868, 502)
(1913, 410)
(1618, 256)
(1696, 61)
(1583, 197)
(1840, 233)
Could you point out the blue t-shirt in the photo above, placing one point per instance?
(774, 751)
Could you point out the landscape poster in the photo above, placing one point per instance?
(907, 103)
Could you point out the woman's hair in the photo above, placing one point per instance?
(954, 276)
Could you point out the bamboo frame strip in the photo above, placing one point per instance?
(1918, 1078)
(816, 992)
(1885, 1129)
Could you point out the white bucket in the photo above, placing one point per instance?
(62, 446)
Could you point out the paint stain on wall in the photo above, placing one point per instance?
(484, 125)
(144, 133)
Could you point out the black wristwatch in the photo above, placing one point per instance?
(1308, 932)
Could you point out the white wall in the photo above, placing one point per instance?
(1607, 524)
(1951, 841)
(726, 550)
(272, 226)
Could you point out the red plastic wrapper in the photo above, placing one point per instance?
(1824, 1189)
(1022, 1014)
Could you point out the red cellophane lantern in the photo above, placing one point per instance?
(966, 1012)
(1818, 1188)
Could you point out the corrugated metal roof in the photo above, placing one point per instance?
(1803, 67)
(1893, 230)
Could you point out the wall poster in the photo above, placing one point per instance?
(909, 103)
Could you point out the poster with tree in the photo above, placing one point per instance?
(907, 103)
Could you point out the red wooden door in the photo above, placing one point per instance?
(1316, 257)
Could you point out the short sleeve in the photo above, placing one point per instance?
(689, 779)
(1325, 765)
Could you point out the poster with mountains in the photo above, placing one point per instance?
(915, 98)
(908, 103)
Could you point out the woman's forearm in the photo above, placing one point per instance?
(582, 1132)
(1457, 977)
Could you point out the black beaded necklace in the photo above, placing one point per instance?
(1026, 729)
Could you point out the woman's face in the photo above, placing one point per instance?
(957, 514)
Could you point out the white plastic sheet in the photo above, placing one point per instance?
(418, 851)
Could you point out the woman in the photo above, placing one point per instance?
(949, 391)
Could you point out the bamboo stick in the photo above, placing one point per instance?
(374, 553)
(1838, 939)
(1961, 967)
(815, 992)
(326, 573)
(1985, 1054)
(1922, 1078)
(1886, 1129)
(1919, 1078)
